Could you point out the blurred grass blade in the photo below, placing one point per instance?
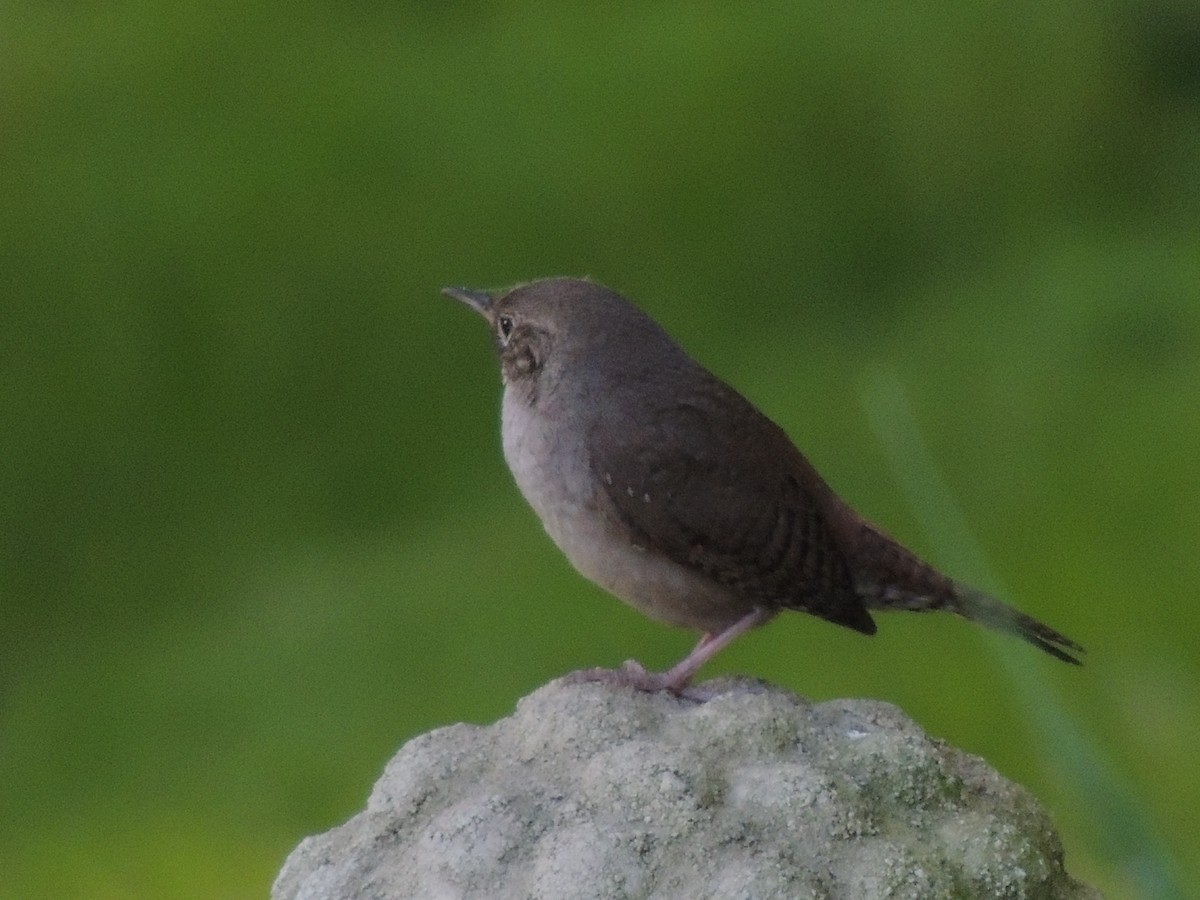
(1122, 830)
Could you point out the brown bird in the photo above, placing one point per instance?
(667, 487)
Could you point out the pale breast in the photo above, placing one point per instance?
(551, 466)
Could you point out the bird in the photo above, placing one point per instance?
(669, 489)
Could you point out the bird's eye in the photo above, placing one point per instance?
(506, 326)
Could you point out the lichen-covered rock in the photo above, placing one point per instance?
(591, 791)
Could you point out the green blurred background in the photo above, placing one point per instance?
(255, 527)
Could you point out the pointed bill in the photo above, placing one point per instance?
(480, 301)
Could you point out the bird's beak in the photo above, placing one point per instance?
(479, 301)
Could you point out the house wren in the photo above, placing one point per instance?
(665, 486)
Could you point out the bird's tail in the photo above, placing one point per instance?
(889, 576)
(987, 610)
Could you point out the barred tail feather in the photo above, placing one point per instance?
(890, 576)
(990, 612)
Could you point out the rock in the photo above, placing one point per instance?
(592, 791)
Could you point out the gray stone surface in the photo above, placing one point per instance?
(591, 791)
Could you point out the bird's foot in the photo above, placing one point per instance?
(634, 675)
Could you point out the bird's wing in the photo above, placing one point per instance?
(731, 502)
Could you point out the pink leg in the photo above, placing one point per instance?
(678, 677)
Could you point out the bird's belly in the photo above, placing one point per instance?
(558, 483)
(652, 584)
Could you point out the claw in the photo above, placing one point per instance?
(676, 680)
(634, 675)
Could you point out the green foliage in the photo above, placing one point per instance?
(255, 526)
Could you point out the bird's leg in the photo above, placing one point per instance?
(678, 677)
